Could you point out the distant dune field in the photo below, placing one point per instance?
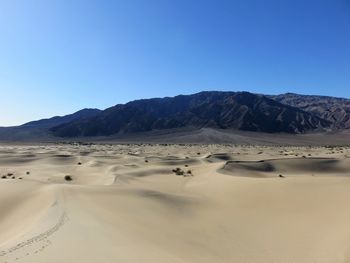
(174, 203)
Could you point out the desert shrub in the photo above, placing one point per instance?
(178, 171)
(68, 178)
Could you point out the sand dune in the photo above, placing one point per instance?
(288, 166)
(125, 203)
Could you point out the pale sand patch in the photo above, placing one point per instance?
(125, 204)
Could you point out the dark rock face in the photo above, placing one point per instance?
(224, 110)
(37, 130)
(335, 110)
(58, 120)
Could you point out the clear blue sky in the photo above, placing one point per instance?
(58, 56)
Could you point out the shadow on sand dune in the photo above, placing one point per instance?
(290, 166)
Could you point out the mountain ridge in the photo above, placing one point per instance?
(225, 110)
(336, 110)
(57, 120)
(213, 109)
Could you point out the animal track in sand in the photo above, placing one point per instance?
(38, 238)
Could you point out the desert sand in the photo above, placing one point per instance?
(174, 203)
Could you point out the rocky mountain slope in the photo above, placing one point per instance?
(335, 110)
(223, 110)
(285, 113)
(58, 120)
(40, 129)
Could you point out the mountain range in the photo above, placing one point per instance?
(285, 113)
(335, 110)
